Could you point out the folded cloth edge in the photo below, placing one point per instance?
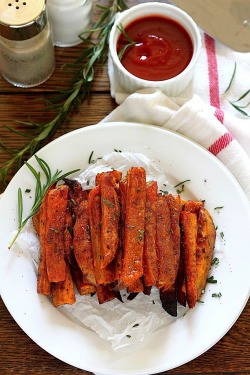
(191, 118)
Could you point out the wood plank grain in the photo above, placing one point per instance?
(19, 355)
(27, 107)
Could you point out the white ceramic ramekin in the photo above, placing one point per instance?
(173, 86)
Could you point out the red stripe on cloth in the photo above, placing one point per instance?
(212, 71)
(221, 143)
(219, 114)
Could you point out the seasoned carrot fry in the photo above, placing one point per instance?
(102, 275)
(82, 243)
(134, 226)
(150, 260)
(205, 248)
(110, 217)
(56, 207)
(164, 244)
(63, 291)
(189, 231)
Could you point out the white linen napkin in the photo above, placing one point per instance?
(202, 112)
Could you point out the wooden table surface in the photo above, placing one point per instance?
(18, 353)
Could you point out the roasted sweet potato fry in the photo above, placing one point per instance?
(57, 201)
(192, 206)
(82, 284)
(75, 195)
(36, 222)
(181, 280)
(205, 248)
(43, 284)
(169, 300)
(164, 244)
(189, 232)
(68, 234)
(104, 293)
(150, 260)
(82, 242)
(103, 275)
(63, 291)
(110, 216)
(119, 255)
(136, 287)
(134, 226)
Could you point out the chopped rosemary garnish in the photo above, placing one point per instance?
(107, 202)
(182, 184)
(215, 261)
(212, 280)
(218, 207)
(164, 192)
(218, 295)
(232, 78)
(68, 100)
(222, 235)
(91, 160)
(40, 191)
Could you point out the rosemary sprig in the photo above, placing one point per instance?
(40, 191)
(69, 99)
(235, 103)
(130, 43)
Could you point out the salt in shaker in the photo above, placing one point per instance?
(69, 18)
(27, 56)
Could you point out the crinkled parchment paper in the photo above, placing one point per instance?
(127, 324)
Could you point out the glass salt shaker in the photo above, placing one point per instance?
(27, 56)
(69, 18)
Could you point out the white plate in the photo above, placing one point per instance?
(189, 336)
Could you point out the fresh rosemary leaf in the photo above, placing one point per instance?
(232, 78)
(128, 45)
(237, 107)
(242, 96)
(20, 207)
(181, 183)
(40, 191)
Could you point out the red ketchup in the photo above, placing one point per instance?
(162, 48)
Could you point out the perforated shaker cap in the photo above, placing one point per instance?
(22, 19)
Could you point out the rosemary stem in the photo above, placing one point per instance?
(69, 98)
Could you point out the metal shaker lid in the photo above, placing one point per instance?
(22, 19)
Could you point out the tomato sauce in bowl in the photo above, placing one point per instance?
(152, 45)
(161, 48)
